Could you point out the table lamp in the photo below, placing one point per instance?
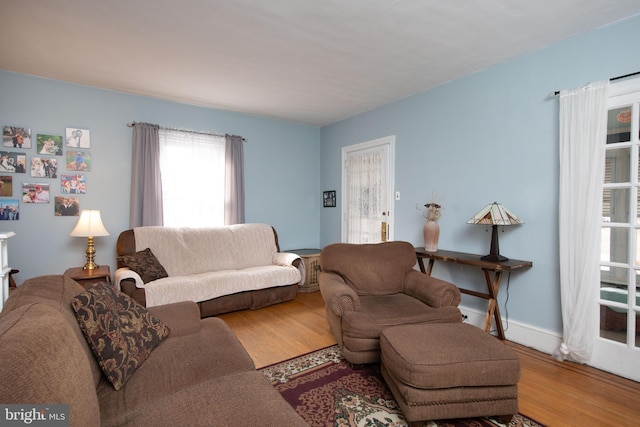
(89, 225)
(495, 214)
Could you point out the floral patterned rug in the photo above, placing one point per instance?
(325, 391)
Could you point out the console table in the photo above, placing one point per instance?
(493, 271)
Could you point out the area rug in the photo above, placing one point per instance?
(325, 391)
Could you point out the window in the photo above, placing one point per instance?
(192, 165)
(620, 229)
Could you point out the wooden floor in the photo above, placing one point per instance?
(553, 393)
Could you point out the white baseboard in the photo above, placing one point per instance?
(530, 336)
(548, 342)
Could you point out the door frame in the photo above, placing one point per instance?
(390, 142)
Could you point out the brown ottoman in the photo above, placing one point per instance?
(449, 370)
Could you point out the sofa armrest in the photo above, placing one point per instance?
(183, 318)
(338, 296)
(430, 290)
(288, 259)
(125, 273)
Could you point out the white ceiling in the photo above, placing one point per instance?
(313, 62)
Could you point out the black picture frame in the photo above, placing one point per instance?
(329, 199)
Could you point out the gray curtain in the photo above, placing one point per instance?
(234, 180)
(146, 185)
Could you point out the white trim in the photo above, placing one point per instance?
(534, 337)
(547, 342)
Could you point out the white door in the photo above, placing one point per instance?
(617, 343)
(367, 191)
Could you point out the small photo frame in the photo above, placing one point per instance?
(35, 193)
(50, 145)
(78, 161)
(67, 206)
(9, 210)
(329, 199)
(44, 167)
(6, 186)
(78, 138)
(16, 137)
(12, 162)
(73, 183)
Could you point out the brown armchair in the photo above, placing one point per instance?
(368, 287)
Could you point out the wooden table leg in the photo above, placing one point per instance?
(427, 270)
(493, 310)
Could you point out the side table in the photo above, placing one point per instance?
(88, 277)
(493, 271)
(311, 259)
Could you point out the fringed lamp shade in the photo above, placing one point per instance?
(495, 214)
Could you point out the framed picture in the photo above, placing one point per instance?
(16, 137)
(67, 206)
(12, 162)
(6, 186)
(78, 138)
(329, 199)
(44, 167)
(9, 210)
(35, 193)
(73, 183)
(49, 144)
(78, 161)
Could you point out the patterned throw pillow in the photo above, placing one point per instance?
(121, 332)
(145, 264)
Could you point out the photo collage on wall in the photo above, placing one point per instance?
(43, 159)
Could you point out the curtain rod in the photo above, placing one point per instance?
(611, 79)
(132, 124)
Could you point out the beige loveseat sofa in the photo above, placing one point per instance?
(223, 269)
(200, 375)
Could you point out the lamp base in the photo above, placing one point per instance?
(90, 266)
(91, 254)
(494, 252)
(494, 258)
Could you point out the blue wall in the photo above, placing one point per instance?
(281, 164)
(491, 136)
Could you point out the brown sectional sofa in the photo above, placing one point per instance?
(199, 376)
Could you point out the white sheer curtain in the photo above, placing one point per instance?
(364, 186)
(193, 176)
(583, 128)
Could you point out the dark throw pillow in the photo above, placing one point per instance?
(145, 264)
(121, 332)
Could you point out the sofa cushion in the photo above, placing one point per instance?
(214, 284)
(240, 399)
(43, 362)
(179, 363)
(56, 291)
(145, 264)
(387, 265)
(186, 251)
(120, 331)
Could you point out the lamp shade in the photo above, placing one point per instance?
(495, 214)
(89, 225)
